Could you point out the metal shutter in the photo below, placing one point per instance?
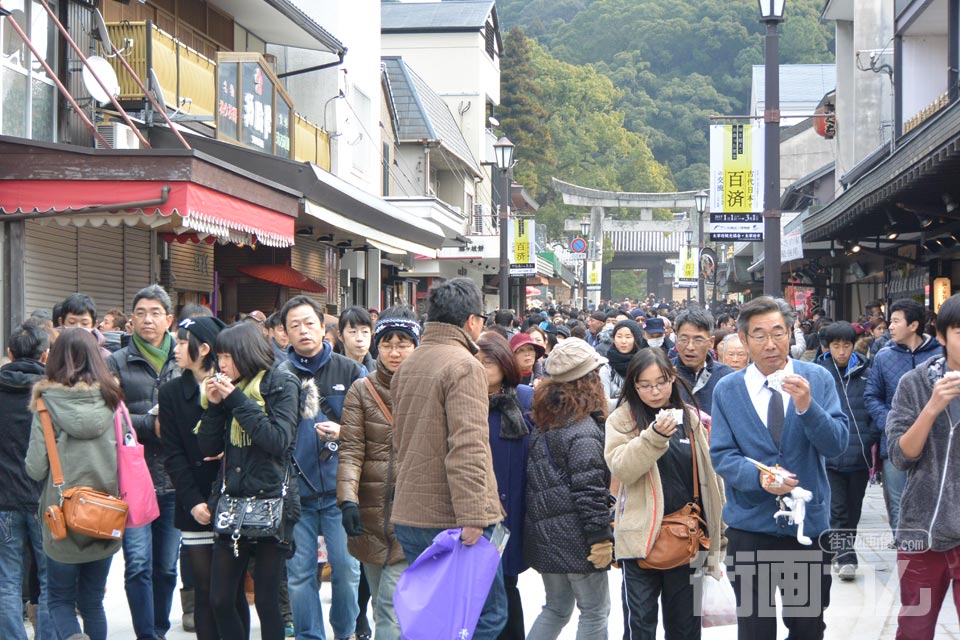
(100, 266)
(136, 263)
(50, 264)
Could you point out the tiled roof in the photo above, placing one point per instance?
(422, 114)
(431, 16)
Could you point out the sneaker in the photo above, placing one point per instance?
(288, 631)
(848, 572)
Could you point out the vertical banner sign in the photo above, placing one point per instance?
(736, 182)
(689, 273)
(523, 261)
(594, 268)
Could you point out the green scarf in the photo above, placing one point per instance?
(157, 357)
(251, 389)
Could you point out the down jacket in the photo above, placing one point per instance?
(567, 492)
(17, 378)
(259, 469)
(632, 457)
(851, 385)
(141, 391)
(367, 471)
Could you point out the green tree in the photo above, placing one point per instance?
(628, 284)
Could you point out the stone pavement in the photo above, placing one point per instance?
(865, 609)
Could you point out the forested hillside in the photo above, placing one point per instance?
(617, 94)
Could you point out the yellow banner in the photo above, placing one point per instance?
(736, 168)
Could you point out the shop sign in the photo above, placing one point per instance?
(253, 110)
(523, 262)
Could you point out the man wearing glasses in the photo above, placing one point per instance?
(694, 362)
(150, 552)
(786, 413)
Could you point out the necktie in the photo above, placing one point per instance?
(775, 415)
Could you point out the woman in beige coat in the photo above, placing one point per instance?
(653, 460)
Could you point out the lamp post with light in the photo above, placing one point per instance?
(771, 14)
(700, 201)
(503, 152)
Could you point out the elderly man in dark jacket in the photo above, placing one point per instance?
(849, 472)
(20, 499)
(694, 362)
(150, 552)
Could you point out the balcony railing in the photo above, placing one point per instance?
(184, 73)
(926, 113)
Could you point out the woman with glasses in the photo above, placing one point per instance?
(510, 427)
(652, 457)
(366, 474)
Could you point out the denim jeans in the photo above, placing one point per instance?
(383, 582)
(18, 528)
(78, 586)
(493, 618)
(591, 594)
(894, 481)
(321, 517)
(150, 573)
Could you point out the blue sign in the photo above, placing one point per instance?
(578, 245)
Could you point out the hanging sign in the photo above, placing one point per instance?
(594, 269)
(736, 181)
(253, 110)
(523, 261)
(689, 273)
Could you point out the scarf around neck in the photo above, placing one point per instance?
(620, 361)
(157, 357)
(512, 424)
(251, 389)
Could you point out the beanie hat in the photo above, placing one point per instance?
(203, 328)
(409, 327)
(572, 359)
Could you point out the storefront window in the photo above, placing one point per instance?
(28, 97)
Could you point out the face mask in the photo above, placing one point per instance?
(656, 343)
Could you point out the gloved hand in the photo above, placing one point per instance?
(350, 513)
(601, 554)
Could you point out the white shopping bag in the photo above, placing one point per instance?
(719, 602)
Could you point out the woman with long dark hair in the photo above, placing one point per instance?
(81, 397)
(192, 473)
(250, 416)
(650, 453)
(566, 535)
(510, 428)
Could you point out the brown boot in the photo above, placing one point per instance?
(187, 600)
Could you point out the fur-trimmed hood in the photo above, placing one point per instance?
(79, 410)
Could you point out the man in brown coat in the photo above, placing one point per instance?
(445, 476)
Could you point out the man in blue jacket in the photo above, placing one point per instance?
(908, 347)
(797, 423)
(325, 378)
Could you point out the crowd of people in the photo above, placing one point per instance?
(672, 444)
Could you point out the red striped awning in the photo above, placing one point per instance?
(189, 206)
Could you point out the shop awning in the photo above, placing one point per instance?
(283, 275)
(185, 206)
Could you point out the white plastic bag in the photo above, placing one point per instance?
(719, 602)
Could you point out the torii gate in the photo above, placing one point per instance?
(599, 200)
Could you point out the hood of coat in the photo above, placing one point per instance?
(929, 345)
(856, 368)
(20, 375)
(79, 410)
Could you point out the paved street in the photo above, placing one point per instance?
(863, 610)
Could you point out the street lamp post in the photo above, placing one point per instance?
(771, 14)
(503, 152)
(700, 200)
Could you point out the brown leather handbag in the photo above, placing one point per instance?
(82, 510)
(682, 533)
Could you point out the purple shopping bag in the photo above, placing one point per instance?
(440, 596)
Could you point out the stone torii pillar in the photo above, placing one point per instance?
(599, 200)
